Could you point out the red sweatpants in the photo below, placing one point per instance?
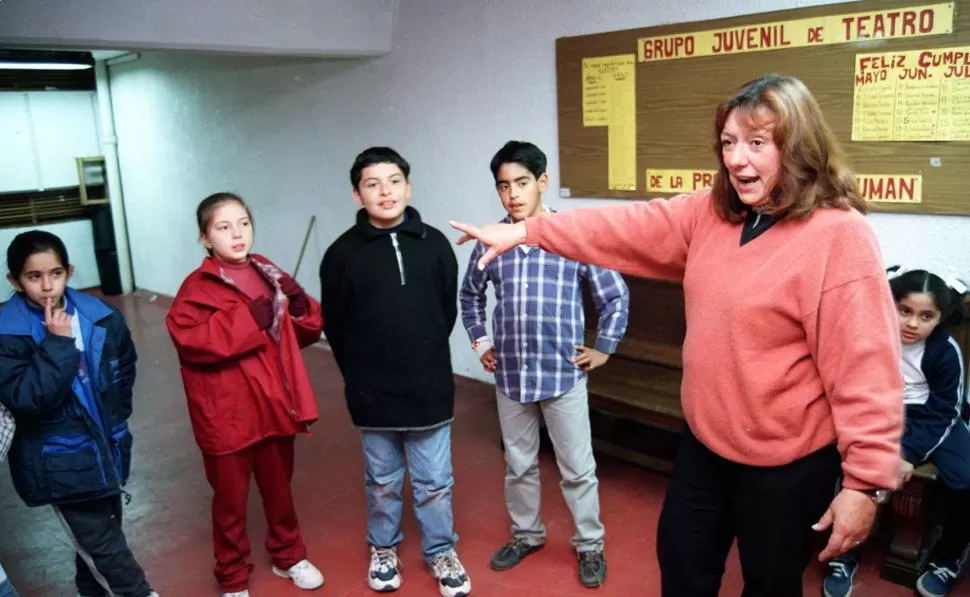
(271, 462)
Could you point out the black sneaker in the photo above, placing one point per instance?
(592, 569)
(512, 553)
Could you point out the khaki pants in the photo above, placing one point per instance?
(567, 420)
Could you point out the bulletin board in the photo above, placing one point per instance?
(636, 107)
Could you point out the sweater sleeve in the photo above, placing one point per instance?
(335, 301)
(927, 425)
(855, 342)
(648, 239)
(448, 266)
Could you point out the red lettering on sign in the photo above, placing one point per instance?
(765, 37)
(892, 24)
(668, 47)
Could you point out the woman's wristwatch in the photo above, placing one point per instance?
(878, 496)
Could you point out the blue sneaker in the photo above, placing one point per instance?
(938, 579)
(838, 580)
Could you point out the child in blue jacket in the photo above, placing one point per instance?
(67, 368)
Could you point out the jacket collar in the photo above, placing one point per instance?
(16, 319)
(210, 265)
(545, 208)
(412, 225)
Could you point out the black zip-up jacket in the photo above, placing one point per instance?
(390, 301)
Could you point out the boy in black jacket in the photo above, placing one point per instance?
(389, 290)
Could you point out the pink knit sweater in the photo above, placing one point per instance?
(792, 339)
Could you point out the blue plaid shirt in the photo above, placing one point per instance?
(538, 318)
(7, 429)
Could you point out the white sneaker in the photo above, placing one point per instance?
(237, 594)
(385, 569)
(453, 581)
(303, 574)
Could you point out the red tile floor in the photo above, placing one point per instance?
(168, 518)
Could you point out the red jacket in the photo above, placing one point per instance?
(243, 384)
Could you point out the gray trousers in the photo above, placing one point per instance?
(567, 420)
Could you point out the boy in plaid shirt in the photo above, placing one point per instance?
(541, 362)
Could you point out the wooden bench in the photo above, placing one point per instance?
(910, 526)
(635, 410)
(635, 414)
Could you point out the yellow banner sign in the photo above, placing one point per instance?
(876, 188)
(917, 21)
(891, 188)
(679, 181)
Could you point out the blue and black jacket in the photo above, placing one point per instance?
(72, 441)
(929, 419)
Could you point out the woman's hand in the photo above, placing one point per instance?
(905, 472)
(850, 515)
(499, 238)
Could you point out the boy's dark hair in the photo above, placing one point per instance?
(208, 206)
(948, 300)
(30, 243)
(377, 155)
(522, 153)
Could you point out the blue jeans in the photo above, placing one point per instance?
(6, 588)
(429, 465)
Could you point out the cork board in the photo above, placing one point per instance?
(636, 107)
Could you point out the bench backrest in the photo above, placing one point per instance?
(657, 326)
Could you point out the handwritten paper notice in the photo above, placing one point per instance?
(609, 99)
(921, 95)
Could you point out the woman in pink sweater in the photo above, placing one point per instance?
(791, 358)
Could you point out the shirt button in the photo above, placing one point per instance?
(525, 286)
(525, 344)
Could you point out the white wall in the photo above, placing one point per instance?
(464, 77)
(40, 135)
(79, 240)
(298, 27)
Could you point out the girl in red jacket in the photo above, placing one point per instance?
(238, 324)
